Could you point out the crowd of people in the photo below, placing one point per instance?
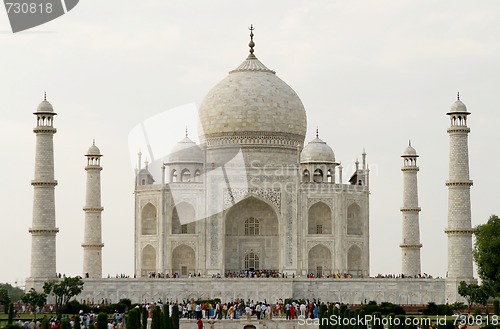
(273, 274)
(281, 275)
(240, 309)
(86, 321)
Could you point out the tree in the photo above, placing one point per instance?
(134, 319)
(15, 293)
(102, 321)
(473, 293)
(35, 299)
(156, 318)
(10, 318)
(45, 323)
(144, 318)
(77, 324)
(4, 299)
(323, 313)
(65, 324)
(63, 290)
(167, 322)
(487, 254)
(175, 316)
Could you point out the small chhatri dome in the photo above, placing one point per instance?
(458, 106)
(252, 102)
(185, 151)
(410, 151)
(45, 106)
(317, 151)
(94, 150)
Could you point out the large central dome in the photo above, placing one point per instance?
(252, 106)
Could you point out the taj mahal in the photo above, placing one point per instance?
(255, 196)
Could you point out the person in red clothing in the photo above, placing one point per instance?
(204, 310)
(292, 311)
(200, 323)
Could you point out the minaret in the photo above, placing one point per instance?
(410, 247)
(459, 228)
(92, 245)
(43, 230)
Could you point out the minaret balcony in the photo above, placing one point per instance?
(411, 246)
(459, 231)
(458, 130)
(410, 209)
(41, 231)
(44, 183)
(44, 129)
(454, 183)
(93, 209)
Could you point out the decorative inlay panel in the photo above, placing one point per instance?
(235, 195)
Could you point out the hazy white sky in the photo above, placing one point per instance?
(371, 74)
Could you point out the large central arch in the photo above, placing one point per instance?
(251, 232)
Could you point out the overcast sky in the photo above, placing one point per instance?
(371, 74)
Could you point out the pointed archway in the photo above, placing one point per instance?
(251, 236)
(319, 261)
(183, 260)
(148, 260)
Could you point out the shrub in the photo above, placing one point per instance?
(449, 324)
(387, 308)
(175, 317)
(377, 320)
(346, 316)
(11, 314)
(433, 309)
(134, 319)
(400, 321)
(477, 312)
(425, 323)
(361, 318)
(166, 321)
(156, 320)
(65, 324)
(77, 322)
(12, 326)
(323, 313)
(45, 323)
(410, 324)
(102, 321)
(496, 307)
(73, 307)
(430, 309)
(125, 301)
(391, 317)
(144, 318)
(371, 307)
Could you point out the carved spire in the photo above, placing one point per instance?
(251, 44)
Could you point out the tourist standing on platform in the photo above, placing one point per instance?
(248, 312)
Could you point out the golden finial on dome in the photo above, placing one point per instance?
(251, 44)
